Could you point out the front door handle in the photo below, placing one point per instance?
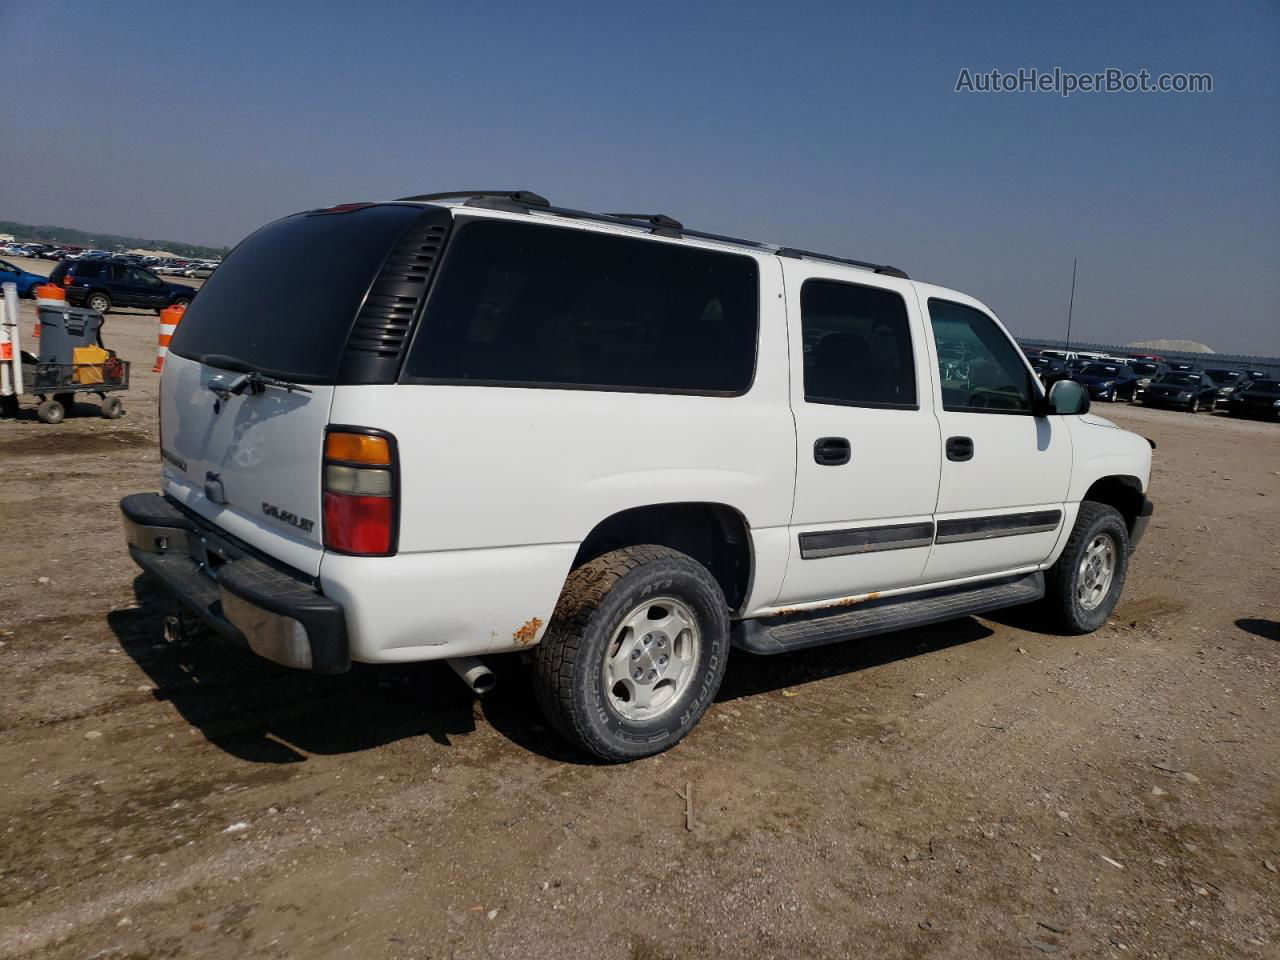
(831, 451)
(959, 449)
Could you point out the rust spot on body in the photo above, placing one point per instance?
(528, 630)
(846, 602)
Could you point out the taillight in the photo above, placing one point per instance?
(67, 279)
(360, 492)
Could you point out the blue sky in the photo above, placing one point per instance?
(829, 126)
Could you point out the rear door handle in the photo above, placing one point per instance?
(959, 449)
(831, 451)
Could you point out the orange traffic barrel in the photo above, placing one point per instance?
(47, 295)
(169, 318)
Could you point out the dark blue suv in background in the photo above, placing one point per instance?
(103, 284)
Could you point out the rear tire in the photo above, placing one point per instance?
(1083, 586)
(113, 408)
(649, 609)
(99, 301)
(51, 411)
(182, 302)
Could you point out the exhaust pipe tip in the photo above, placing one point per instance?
(478, 678)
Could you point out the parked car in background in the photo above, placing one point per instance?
(1108, 381)
(1049, 369)
(1150, 357)
(102, 285)
(1186, 390)
(200, 271)
(25, 280)
(1184, 366)
(1146, 371)
(1066, 356)
(1258, 398)
(1228, 380)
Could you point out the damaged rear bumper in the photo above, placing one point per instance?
(273, 611)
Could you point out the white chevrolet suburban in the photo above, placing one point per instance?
(456, 425)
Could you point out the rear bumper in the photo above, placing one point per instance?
(272, 611)
(1140, 523)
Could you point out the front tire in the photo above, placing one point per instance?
(1083, 586)
(634, 653)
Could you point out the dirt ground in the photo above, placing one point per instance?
(978, 789)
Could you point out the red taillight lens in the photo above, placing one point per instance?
(360, 490)
(358, 524)
(67, 279)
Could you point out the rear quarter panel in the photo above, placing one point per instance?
(499, 485)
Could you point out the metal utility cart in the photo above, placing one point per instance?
(71, 361)
(56, 384)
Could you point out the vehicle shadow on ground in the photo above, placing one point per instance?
(263, 713)
(1267, 629)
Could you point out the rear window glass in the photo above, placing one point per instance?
(530, 305)
(284, 300)
(88, 270)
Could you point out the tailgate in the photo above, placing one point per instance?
(249, 463)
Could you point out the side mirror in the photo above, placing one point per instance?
(1067, 398)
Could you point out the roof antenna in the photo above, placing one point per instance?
(1071, 303)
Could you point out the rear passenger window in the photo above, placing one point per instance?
(980, 368)
(89, 271)
(857, 346)
(520, 304)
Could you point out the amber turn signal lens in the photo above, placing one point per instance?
(358, 448)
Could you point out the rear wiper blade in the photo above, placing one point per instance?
(252, 383)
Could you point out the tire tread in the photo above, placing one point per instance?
(1059, 599)
(557, 655)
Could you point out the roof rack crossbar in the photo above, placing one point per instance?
(526, 197)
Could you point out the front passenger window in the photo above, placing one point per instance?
(980, 368)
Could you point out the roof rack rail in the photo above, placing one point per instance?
(525, 198)
(657, 219)
(881, 268)
(659, 223)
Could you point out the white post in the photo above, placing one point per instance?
(11, 321)
(6, 386)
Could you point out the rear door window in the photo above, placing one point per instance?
(88, 271)
(519, 304)
(857, 346)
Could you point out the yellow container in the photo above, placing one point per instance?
(88, 364)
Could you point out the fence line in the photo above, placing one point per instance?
(1271, 365)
